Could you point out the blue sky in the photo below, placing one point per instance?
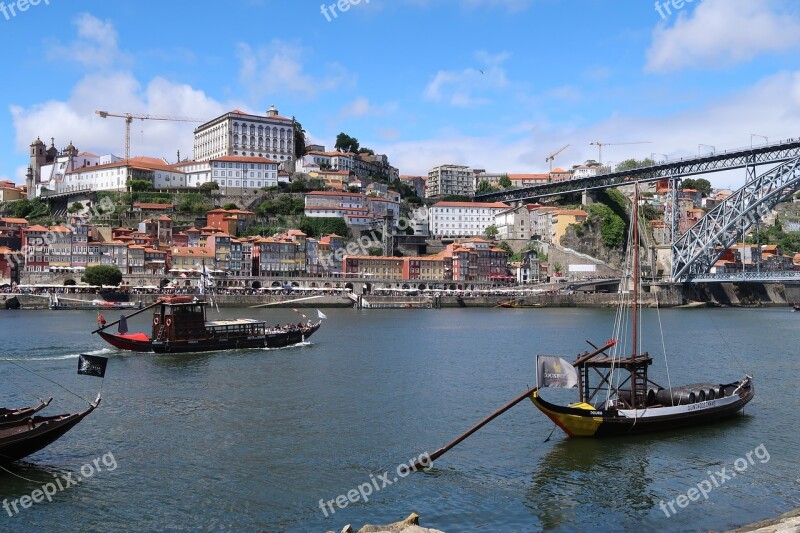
(495, 84)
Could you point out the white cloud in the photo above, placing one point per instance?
(727, 124)
(469, 87)
(96, 46)
(75, 119)
(277, 68)
(361, 107)
(720, 33)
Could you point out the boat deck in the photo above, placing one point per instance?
(234, 322)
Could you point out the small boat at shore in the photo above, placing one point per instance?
(74, 304)
(796, 307)
(12, 415)
(518, 303)
(179, 325)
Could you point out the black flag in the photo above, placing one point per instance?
(92, 365)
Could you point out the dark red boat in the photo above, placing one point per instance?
(179, 325)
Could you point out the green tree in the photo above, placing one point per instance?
(297, 186)
(345, 143)
(375, 251)
(102, 275)
(365, 150)
(701, 185)
(456, 198)
(230, 206)
(208, 186)
(140, 185)
(299, 139)
(631, 164)
(77, 207)
(491, 231)
(504, 181)
(485, 187)
(505, 246)
(319, 227)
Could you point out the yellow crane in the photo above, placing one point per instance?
(129, 119)
(600, 147)
(551, 157)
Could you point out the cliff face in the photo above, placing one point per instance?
(587, 239)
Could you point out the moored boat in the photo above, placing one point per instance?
(179, 325)
(616, 396)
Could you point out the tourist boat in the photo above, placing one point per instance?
(179, 325)
(796, 307)
(616, 397)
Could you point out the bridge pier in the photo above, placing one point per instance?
(588, 197)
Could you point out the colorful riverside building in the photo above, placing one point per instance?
(471, 260)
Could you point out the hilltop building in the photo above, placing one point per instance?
(237, 133)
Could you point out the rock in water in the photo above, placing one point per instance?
(409, 525)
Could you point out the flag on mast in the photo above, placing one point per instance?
(321, 315)
(555, 372)
(92, 365)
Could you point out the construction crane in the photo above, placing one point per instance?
(552, 157)
(129, 119)
(600, 147)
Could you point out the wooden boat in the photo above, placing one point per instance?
(616, 397)
(796, 307)
(23, 437)
(519, 304)
(73, 304)
(179, 325)
(12, 415)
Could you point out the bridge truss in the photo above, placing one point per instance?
(696, 251)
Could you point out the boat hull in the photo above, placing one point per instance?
(136, 343)
(25, 437)
(583, 420)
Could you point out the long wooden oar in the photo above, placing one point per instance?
(127, 317)
(286, 301)
(441, 451)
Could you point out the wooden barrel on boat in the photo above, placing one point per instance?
(678, 396)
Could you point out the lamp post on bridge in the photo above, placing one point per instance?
(654, 154)
(766, 139)
(700, 147)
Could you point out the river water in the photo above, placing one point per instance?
(254, 440)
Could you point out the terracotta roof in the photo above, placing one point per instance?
(13, 220)
(329, 193)
(36, 228)
(153, 207)
(576, 212)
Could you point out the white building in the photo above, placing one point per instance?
(462, 219)
(115, 176)
(583, 171)
(233, 174)
(241, 134)
(513, 223)
(450, 180)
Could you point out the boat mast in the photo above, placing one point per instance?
(635, 273)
